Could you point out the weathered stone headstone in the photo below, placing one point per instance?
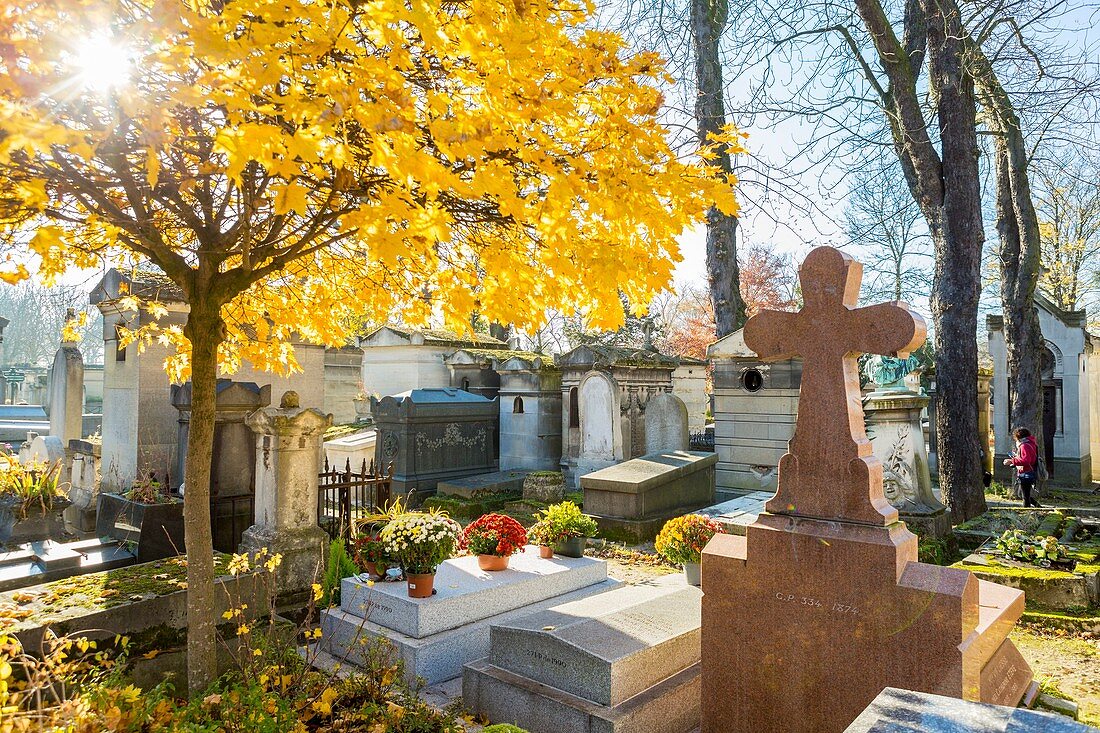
(823, 603)
(288, 454)
(545, 486)
(601, 423)
(67, 391)
(232, 472)
(666, 424)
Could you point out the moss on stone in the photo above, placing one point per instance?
(55, 600)
(995, 568)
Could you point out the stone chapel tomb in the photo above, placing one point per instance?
(823, 604)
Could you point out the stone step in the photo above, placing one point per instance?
(437, 657)
(605, 648)
(671, 706)
(465, 594)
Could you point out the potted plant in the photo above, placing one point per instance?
(370, 554)
(146, 515)
(31, 501)
(540, 534)
(681, 542)
(420, 541)
(494, 538)
(568, 527)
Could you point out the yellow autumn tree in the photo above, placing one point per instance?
(297, 166)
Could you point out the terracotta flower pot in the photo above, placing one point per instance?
(546, 552)
(492, 562)
(420, 585)
(371, 569)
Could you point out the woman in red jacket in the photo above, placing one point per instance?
(1026, 461)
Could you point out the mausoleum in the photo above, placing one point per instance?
(396, 360)
(755, 407)
(1071, 387)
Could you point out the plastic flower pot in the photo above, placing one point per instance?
(546, 552)
(421, 585)
(492, 562)
(571, 547)
(693, 573)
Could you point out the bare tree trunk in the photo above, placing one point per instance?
(1019, 254)
(956, 286)
(1019, 262)
(204, 329)
(708, 19)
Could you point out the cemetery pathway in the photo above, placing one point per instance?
(1070, 661)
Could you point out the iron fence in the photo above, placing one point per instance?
(344, 496)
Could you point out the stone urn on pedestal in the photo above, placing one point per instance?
(288, 454)
(893, 416)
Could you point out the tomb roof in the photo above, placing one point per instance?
(145, 284)
(434, 337)
(439, 394)
(487, 356)
(625, 355)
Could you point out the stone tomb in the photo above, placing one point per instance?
(625, 661)
(436, 636)
(823, 603)
(638, 496)
(434, 435)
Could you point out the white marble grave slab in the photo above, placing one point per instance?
(466, 594)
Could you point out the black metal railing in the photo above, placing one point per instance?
(344, 496)
(703, 440)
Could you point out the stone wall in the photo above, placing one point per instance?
(343, 370)
(530, 415)
(752, 429)
(689, 383)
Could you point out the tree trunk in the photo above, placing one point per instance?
(204, 329)
(1019, 254)
(708, 19)
(956, 286)
(1019, 261)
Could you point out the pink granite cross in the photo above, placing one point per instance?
(829, 471)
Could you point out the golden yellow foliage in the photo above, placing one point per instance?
(306, 165)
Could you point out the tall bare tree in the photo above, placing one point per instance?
(36, 315)
(1067, 198)
(708, 21)
(885, 223)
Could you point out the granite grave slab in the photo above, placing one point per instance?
(624, 661)
(638, 496)
(437, 657)
(905, 711)
(465, 593)
(736, 514)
